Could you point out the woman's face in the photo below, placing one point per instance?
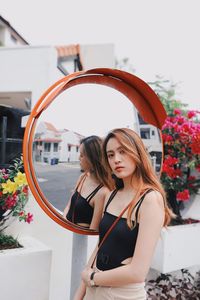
(120, 161)
(84, 163)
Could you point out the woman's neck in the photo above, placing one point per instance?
(91, 176)
(130, 183)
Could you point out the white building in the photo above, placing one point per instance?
(9, 36)
(69, 146)
(46, 144)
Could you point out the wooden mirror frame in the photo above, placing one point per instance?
(136, 90)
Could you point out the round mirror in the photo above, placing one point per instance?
(78, 106)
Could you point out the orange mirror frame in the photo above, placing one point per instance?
(136, 90)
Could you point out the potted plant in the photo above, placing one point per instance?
(13, 199)
(181, 166)
(180, 178)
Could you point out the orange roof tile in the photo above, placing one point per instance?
(69, 50)
(49, 126)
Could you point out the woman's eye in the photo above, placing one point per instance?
(122, 151)
(110, 155)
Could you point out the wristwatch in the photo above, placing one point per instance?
(92, 283)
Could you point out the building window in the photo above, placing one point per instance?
(47, 147)
(13, 38)
(77, 147)
(145, 133)
(55, 147)
(69, 148)
(152, 132)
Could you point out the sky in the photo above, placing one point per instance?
(159, 37)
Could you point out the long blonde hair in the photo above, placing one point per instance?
(144, 172)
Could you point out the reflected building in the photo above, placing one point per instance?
(150, 136)
(53, 146)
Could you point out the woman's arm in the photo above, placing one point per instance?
(98, 208)
(151, 219)
(66, 209)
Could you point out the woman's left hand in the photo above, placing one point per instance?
(85, 275)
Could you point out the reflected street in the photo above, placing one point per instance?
(57, 181)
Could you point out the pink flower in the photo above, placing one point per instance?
(183, 196)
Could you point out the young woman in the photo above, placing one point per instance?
(86, 205)
(123, 260)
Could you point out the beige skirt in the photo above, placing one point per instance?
(135, 291)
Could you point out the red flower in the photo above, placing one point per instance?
(177, 111)
(171, 161)
(183, 196)
(29, 218)
(191, 114)
(195, 146)
(198, 168)
(191, 178)
(10, 202)
(25, 189)
(167, 138)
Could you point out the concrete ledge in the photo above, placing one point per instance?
(25, 272)
(177, 248)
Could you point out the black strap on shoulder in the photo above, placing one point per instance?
(112, 195)
(138, 204)
(91, 195)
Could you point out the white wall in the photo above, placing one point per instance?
(28, 68)
(97, 56)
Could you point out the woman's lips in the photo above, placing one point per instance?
(118, 169)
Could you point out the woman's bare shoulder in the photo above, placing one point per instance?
(107, 195)
(152, 205)
(104, 191)
(80, 178)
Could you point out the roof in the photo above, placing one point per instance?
(49, 126)
(68, 50)
(13, 30)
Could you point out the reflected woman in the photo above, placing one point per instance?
(86, 204)
(137, 211)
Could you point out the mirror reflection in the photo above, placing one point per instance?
(64, 170)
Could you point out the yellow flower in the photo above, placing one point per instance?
(20, 179)
(9, 187)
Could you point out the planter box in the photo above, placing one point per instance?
(177, 248)
(25, 272)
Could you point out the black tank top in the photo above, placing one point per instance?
(80, 210)
(120, 243)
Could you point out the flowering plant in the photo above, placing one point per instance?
(13, 194)
(181, 166)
